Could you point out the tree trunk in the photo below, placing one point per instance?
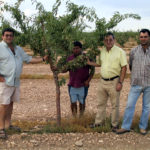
(55, 75)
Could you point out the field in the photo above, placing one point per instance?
(38, 106)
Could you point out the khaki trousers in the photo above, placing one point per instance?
(107, 89)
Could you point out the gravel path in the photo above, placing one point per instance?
(77, 141)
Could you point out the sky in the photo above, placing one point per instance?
(103, 8)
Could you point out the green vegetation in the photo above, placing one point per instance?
(123, 37)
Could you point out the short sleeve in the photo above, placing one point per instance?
(123, 58)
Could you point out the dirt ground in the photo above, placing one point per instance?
(38, 100)
(38, 103)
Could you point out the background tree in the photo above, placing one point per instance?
(103, 26)
(123, 37)
(47, 30)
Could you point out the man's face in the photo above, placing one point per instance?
(109, 42)
(8, 37)
(77, 50)
(144, 38)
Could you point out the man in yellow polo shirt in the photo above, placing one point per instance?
(113, 64)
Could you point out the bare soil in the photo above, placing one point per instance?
(38, 100)
(38, 104)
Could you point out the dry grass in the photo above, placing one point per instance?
(70, 125)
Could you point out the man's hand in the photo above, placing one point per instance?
(86, 83)
(118, 87)
(89, 62)
(2, 79)
(45, 58)
(54, 68)
(92, 63)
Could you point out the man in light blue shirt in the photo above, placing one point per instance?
(11, 62)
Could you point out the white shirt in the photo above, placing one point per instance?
(11, 65)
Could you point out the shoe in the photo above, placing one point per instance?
(3, 134)
(114, 129)
(143, 132)
(95, 125)
(122, 131)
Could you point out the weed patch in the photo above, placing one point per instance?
(70, 125)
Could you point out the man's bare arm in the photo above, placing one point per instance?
(121, 79)
(91, 63)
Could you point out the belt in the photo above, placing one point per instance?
(110, 79)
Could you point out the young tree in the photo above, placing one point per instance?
(47, 30)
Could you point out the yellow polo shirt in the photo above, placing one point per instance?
(112, 61)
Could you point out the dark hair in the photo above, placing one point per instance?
(77, 43)
(109, 34)
(8, 30)
(145, 30)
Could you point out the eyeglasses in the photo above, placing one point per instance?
(9, 35)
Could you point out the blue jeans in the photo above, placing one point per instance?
(134, 94)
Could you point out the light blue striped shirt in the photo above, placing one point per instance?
(11, 65)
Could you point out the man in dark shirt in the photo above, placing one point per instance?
(79, 80)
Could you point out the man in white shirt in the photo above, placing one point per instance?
(11, 62)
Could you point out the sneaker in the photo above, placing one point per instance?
(95, 125)
(143, 132)
(122, 131)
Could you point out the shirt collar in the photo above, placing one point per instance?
(110, 49)
(148, 49)
(6, 45)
